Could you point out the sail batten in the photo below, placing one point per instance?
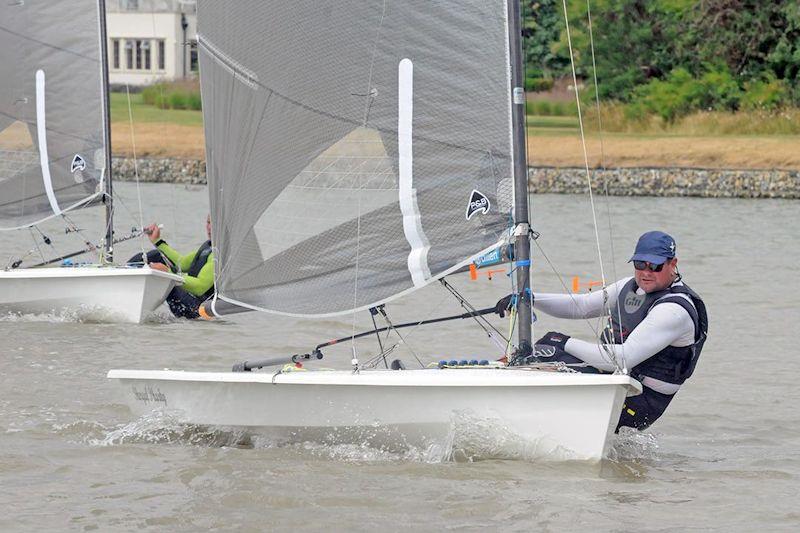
(345, 139)
(41, 135)
(52, 149)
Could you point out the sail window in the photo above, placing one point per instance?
(352, 177)
(17, 152)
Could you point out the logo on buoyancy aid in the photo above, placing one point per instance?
(477, 202)
(633, 301)
(78, 163)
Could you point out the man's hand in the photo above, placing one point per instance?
(554, 338)
(503, 305)
(159, 266)
(153, 232)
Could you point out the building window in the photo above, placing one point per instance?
(193, 66)
(129, 55)
(146, 55)
(140, 54)
(161, 59)
(115, 53)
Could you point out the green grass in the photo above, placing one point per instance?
(148, 113)
(548, 122)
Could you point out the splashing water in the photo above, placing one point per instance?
(53, 317)
(633, 445)
(470, 438)
(162, 427)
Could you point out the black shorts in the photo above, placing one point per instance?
(641, 411)
(183, 304)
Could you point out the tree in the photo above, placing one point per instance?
(542, 24)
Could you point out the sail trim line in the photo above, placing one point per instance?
(41, 134)
(412, 220)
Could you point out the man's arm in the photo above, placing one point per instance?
(153, 232)
(203, 282)
(181, 261)
(666, 324)
(573, 306)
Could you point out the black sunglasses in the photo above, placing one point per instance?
(642, 265)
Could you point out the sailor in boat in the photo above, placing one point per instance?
(196, 268)
(658, 325)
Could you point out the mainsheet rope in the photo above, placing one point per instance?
(603, 348)
(605, 180)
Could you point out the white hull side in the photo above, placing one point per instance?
(545, 414)
(109, 294)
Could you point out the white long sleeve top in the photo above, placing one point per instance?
(667, 324)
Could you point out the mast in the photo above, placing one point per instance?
(522, 245)
(108, 251)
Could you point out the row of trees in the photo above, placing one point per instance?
(672, 57)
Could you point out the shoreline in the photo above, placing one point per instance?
(633, 181)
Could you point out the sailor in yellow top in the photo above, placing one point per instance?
(197, 269)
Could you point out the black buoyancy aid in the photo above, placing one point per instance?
(199, 261)
(673, 364)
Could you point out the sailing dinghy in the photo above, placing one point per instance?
(55, 157)
(357, 151)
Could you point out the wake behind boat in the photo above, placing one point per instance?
(55, 157)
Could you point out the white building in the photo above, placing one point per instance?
(151, 40)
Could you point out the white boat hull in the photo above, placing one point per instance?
(540, 414)
(108, 294)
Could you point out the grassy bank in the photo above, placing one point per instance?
(143, 112)
(154, 132)
(704, 140)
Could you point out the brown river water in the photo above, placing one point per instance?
(724, 456)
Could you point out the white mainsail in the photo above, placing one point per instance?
(345, 139)
(52, 149)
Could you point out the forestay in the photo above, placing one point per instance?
(51, 113)
(356, 149)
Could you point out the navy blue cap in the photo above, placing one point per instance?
(654, 247)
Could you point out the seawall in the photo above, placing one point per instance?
(703, 183)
